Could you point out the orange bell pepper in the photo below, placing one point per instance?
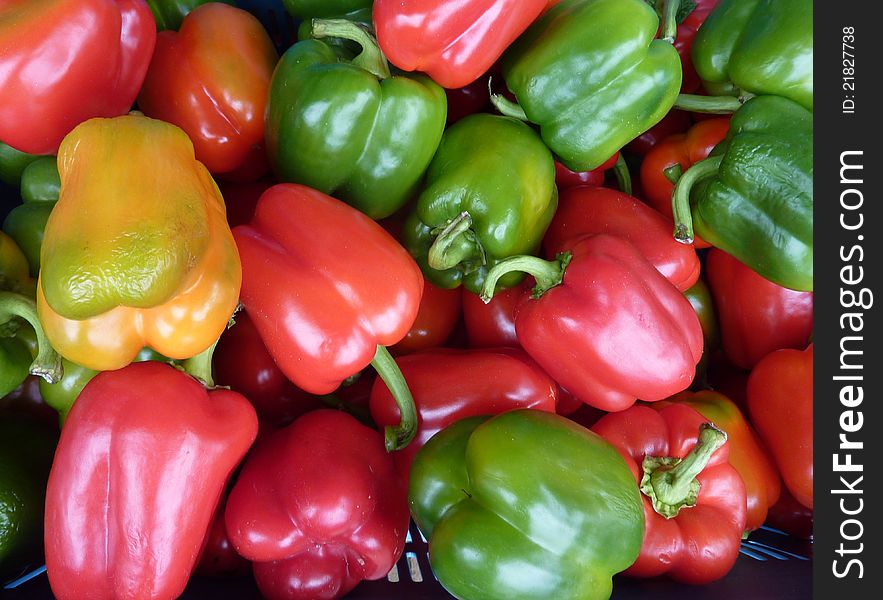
(137, 251)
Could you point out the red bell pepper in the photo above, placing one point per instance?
(66, 61)
(219, 558)
(748, 455)
(453, 42)
(212, 79)
(679, 151)
(676, 121)
(328, 290)
(755, 315)
(565, 178)
(492, 324)
(318, 507)
(143, 459)
(780, 397)
(694, 500)
(449, 385)
(438, 314)
(586, 210)
(242, 362)
(604, 323)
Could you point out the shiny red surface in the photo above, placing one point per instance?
(587, 209)
(143, 458)
(66, 61)
(324, 285)
(438, 314)
(700, 544)
(318, 507)
(614, 330)
(453, 42)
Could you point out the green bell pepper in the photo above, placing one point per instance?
(14, 269)
(25, 224)
(169, 14)
(489, 194)
(40, 181)
(12, 163)
(758, 46)
(308, 9)
(15, 354)
(26, 452)
(753, 196)
(592, 76)
(347, 127)
(526, 504)
(15, 362)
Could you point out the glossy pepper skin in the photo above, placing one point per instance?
(755, 315)
(26, 450)
(66, 61)
(12, 163)
(748, 455)
(758, 46)
(469, 488)
(684, 149)
(318, 507)
(62, 394)
(753, 196)
(699, 542)
(605, 324)
(169, 14)
(780, 402)
(348, 128)
(39, 186)
(185, 443)
(134, 258)
(436, 318)
(492, 324)
(590, 209)
(242, 362)
(212, 79)
(686, 34)
(449, 385)
(489, 193)
(590, 74)
(327, 287)
(454, 43)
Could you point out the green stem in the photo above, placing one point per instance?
(504, 105)
(200, 366)
(680, 198)
(716, 105)
(456, 244)
(47, 363)
(399, 436)
(673, 173)
(370, 58)
(546, 273)
(670, 20)
(623, 177)
(671, 483)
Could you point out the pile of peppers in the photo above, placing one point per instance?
(535, 275)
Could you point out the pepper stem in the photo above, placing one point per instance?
(680, 198)
(370, 58)
(623, 177)
(47, 363)
(670, 20)
(671, 483)
(399, 436)
(546, 273)
(456, 244)
(200, 366)
(504, 105)
(715, 105)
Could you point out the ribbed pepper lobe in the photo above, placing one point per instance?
(131, 222)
